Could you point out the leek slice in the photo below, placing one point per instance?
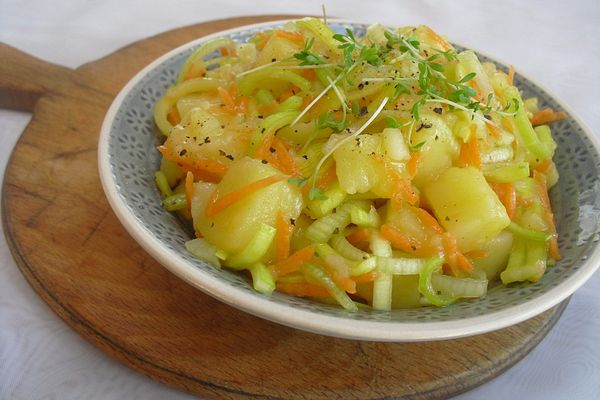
(319, 276)
(203, 250)
(426, 286)
(262, 278)
(254, 250)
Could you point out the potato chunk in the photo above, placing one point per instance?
(467, 207)
(232, 229)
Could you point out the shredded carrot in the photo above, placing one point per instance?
(225, 51)
(309, 74)
(226, 97)
(206, 170)
(440, 41)
(286, 161)
(173, 116)
(428, 220)
(403, 190)
(302, 289)
(477, 254)
(544, 166)
(359, 235)
(469, 151)
(511, 75)
(549, 215)
(494, 131)
(413, 163)
(194, 73)
(218, 204)
(347, 284)
(454, 257)
(189, 187)
(295, 261)
(326, 178)
(406, 243)
(366, 277)
(288, 93)
(295, 37)
(263, 151)
(284, 231)
(507, 195)
(547, 116)
(267, 109)
(264, 40)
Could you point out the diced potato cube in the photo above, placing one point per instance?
(438, 152)
(467, 207)
(357, 167)
(232, 229)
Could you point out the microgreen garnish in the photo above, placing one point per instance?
(298, 181)
(327, 120)
(392, 123)
(316, 194)
(306, 56)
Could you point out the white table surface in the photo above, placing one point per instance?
(557, 42)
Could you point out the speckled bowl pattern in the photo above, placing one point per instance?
(128, 158)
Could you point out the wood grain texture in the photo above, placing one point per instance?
(80, 260)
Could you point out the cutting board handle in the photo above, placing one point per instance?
(24, 78)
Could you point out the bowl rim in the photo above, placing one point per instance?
(330, 325)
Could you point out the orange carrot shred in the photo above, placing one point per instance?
(194, 73)
(264, 40)
(295, 37)
(549, 215)
(189, 187)
(218, 204)
(493, 130)
(429, 220)
(547, 116)
(326, 178)
(295, 261)
(173, 116)
(226, 97)
(286, 161)
(477, 254)
(511, 75)
(206, 170)
(309, 74)
(282, 243)
(544, 166)
(366, 277)
(469, 151)
(450, 251)
(413, 163)
(359, 235)
(404, 242)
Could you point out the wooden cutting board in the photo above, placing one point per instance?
(79, 259)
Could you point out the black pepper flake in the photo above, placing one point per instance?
(229, 156)
(425, 125)
(264, 161)
(305, 157)
(182, 152)
(436, 137)
(207, 140)
(363, 110)
(212, 224)
(447, 218)
(336, 231)
(222, 126)
(487, 116)
(260, 117)
(272, 149)
(273, 59)
(438, 110)
(414, 248)
(263, 130)
(361, 85)
(221, 152)
(293, 221)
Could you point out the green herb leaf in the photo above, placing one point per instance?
(316, 194)
(298, 181)
(467, 77)
(392, 123)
